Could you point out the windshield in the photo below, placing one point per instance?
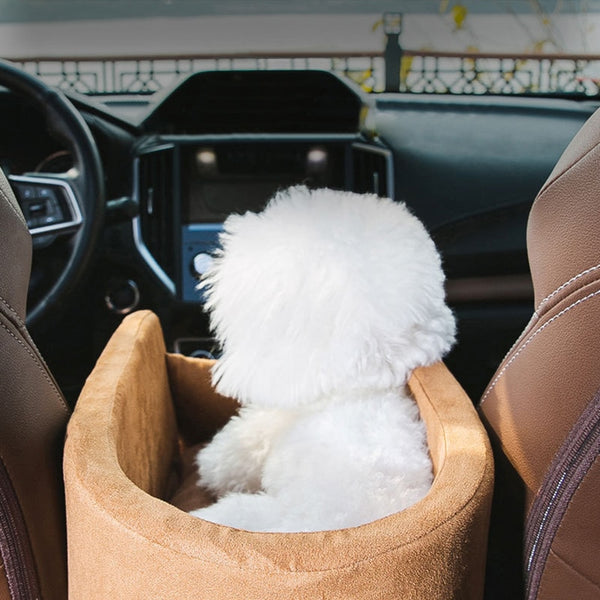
(114, 47)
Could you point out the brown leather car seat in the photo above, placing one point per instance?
(33, 417)
(542, 407)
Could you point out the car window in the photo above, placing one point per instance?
(519, 47)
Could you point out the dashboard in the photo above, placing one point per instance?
(175, 166)
(225, 147)
(176, 163)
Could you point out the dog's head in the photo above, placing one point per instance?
(325, 292)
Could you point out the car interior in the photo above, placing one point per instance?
(110, 213)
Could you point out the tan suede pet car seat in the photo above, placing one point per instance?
(543, 406)
(126, 540)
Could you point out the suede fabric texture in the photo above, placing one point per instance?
(126, 542)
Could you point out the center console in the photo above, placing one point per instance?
(187, 188)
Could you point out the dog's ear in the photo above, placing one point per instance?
(325, 292)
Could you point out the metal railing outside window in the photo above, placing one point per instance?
(424, 72)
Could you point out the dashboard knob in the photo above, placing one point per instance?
(201, 263)
(122, 297)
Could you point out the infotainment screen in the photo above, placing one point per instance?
(225, 178)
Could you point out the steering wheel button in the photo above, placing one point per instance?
(37, 209)
(27, 192)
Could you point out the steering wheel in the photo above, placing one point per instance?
(75, 199)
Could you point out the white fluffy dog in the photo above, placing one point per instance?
(323, 304)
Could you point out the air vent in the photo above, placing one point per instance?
(259, 102)
(372, 170)
(156, 220)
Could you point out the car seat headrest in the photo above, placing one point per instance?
(15, 250)
(562, 233)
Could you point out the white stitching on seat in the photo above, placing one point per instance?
(554, 318)
(564, 285)
(11, 309)
(39, 366)
(516, 342)
(18, 213)
(22, 328)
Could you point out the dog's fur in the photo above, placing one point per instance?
(323, 303)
